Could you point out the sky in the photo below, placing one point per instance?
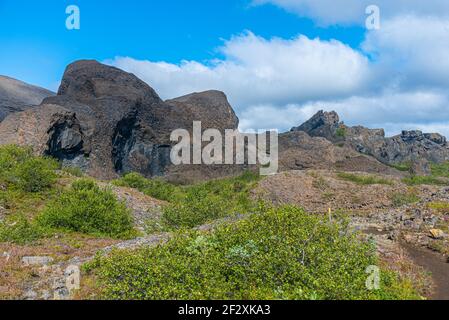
(278, 61)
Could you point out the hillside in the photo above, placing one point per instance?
(17, 96)
(53, 220)
(88, 194)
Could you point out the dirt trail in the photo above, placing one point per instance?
(434, 264)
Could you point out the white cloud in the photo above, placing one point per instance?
(256, 71)
(412, 49)
(329, 12)
(278, 83)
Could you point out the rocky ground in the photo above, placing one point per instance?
(409, 224)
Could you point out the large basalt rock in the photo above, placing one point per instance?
(210, 106)
(109, 122)
(409, 146)
(16, 96)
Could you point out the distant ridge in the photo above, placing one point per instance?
(16, 96)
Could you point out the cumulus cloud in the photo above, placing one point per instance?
(256, 71)
(330, 12)
(412, 49)
(397, 80)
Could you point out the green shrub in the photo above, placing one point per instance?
(363, 180)
(36, 174)
(88, 209)
(281, 253)
(17, 229)
(211, 200)
(20, 169)
(194, 205)
(341, 132)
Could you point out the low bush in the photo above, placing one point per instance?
(20, 169)
(89, 209)
(191, 206)
(211, 200)
(278, 253)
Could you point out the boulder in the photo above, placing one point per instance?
(109, 122)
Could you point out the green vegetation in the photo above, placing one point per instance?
(17, 229)
(88, 209)
(281, 253)
(441, 207)
(404, 166)
(73, 171)
(156, 188)
(341, 132)
(400, 199)
(195, 205)
(440, 170)
(19, 169)
(363, 180)
(429, 180)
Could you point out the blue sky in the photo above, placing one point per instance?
(278, 61)
(36, 46)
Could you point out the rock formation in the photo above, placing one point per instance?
(18, 96)
(413, 147)
(109, 122)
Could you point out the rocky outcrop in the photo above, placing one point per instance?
(210, 106)
(414, 147)
(299, 151)
(323, 124)
(109, 122)
(16, 96)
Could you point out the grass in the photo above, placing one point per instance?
(424, 180)
(440, 170)
(278, 253)
(363, 179)
(404, 166)
(440, 207)
(195, 205)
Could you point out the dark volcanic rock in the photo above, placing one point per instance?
(299, 151)
(16, 96)
(410, 146)
(323, 124)
(110, 122)
(211, 106)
